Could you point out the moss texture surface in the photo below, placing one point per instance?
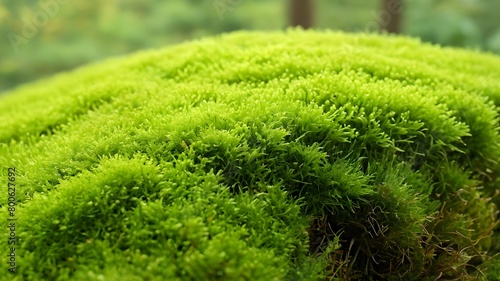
(258, 156)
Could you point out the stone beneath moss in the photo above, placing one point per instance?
(294, 155)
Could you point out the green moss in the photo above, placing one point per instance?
(258, 156)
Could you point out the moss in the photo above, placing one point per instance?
(297, 155)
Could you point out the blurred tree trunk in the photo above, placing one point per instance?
(391, 15)
(301, 13)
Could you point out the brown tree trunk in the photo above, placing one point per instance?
(391, 15)
(301, 13)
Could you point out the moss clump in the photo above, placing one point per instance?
(259, 156)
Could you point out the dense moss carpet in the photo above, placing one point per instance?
(257, 156)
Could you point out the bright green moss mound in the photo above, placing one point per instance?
(258, 156)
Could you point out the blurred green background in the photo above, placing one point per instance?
(40, 38)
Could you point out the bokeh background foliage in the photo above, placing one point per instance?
(260, 156)
(86, 31)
